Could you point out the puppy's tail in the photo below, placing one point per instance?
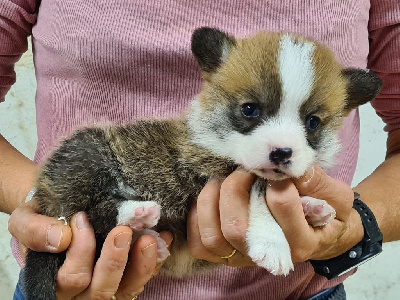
(40, 275)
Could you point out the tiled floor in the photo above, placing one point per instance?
(375, 280)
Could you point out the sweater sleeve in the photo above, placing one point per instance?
(16, 20)
(384, 59)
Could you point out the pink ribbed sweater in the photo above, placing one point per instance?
(118, 60)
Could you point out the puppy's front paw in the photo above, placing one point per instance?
(271, 255)
(138, 214)
(317, 212)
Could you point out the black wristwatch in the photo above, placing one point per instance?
(369, 247)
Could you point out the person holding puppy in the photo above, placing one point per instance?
(130, 60)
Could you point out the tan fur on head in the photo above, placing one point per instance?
(252, 63)
(247, 60)
(291, 80)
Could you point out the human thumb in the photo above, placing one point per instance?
(316, 183)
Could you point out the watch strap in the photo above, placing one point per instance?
(371, 228)
(367, 248)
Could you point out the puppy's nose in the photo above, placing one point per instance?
(280, 155)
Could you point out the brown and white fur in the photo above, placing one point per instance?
(271, 103)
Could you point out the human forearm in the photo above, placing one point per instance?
(17, 176)
(381, 190)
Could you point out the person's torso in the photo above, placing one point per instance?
(117, 61)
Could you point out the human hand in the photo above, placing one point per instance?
(218, 221)
(38, 232)
(308, 242)
(79, 277)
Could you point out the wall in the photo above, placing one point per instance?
(375, 280)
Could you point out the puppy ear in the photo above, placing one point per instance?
(211, 47)
(362, 87)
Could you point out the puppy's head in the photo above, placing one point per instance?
(273, 102)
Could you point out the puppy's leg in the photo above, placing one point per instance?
(317, 212)
(141, 216)
(266, 242)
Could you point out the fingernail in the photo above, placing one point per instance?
(149, 251)
(167, 241)
(123, 240)
(307, 176)
(82, 221)
(53, 236)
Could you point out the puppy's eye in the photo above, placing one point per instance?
(251, 110)
(312, 123)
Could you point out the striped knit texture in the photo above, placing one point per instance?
(384, 59)
(117, 61)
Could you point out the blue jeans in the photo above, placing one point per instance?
(19, 294)
(334, 293)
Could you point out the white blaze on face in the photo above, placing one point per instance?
(284, 130)
(296, 69)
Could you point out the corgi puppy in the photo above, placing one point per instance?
(270, 103)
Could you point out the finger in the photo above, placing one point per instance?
(140, 268)
(195, 244)
(197, 249)
(316, 183)
(38, 232)
(234, 208)
(111, 264)
(167, 237)
(75, 274)
(209, 223)
(284, 202)
(306, 242)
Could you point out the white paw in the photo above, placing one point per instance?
(272, 255)
(138, 214)
(317, 212)
(266, 243)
